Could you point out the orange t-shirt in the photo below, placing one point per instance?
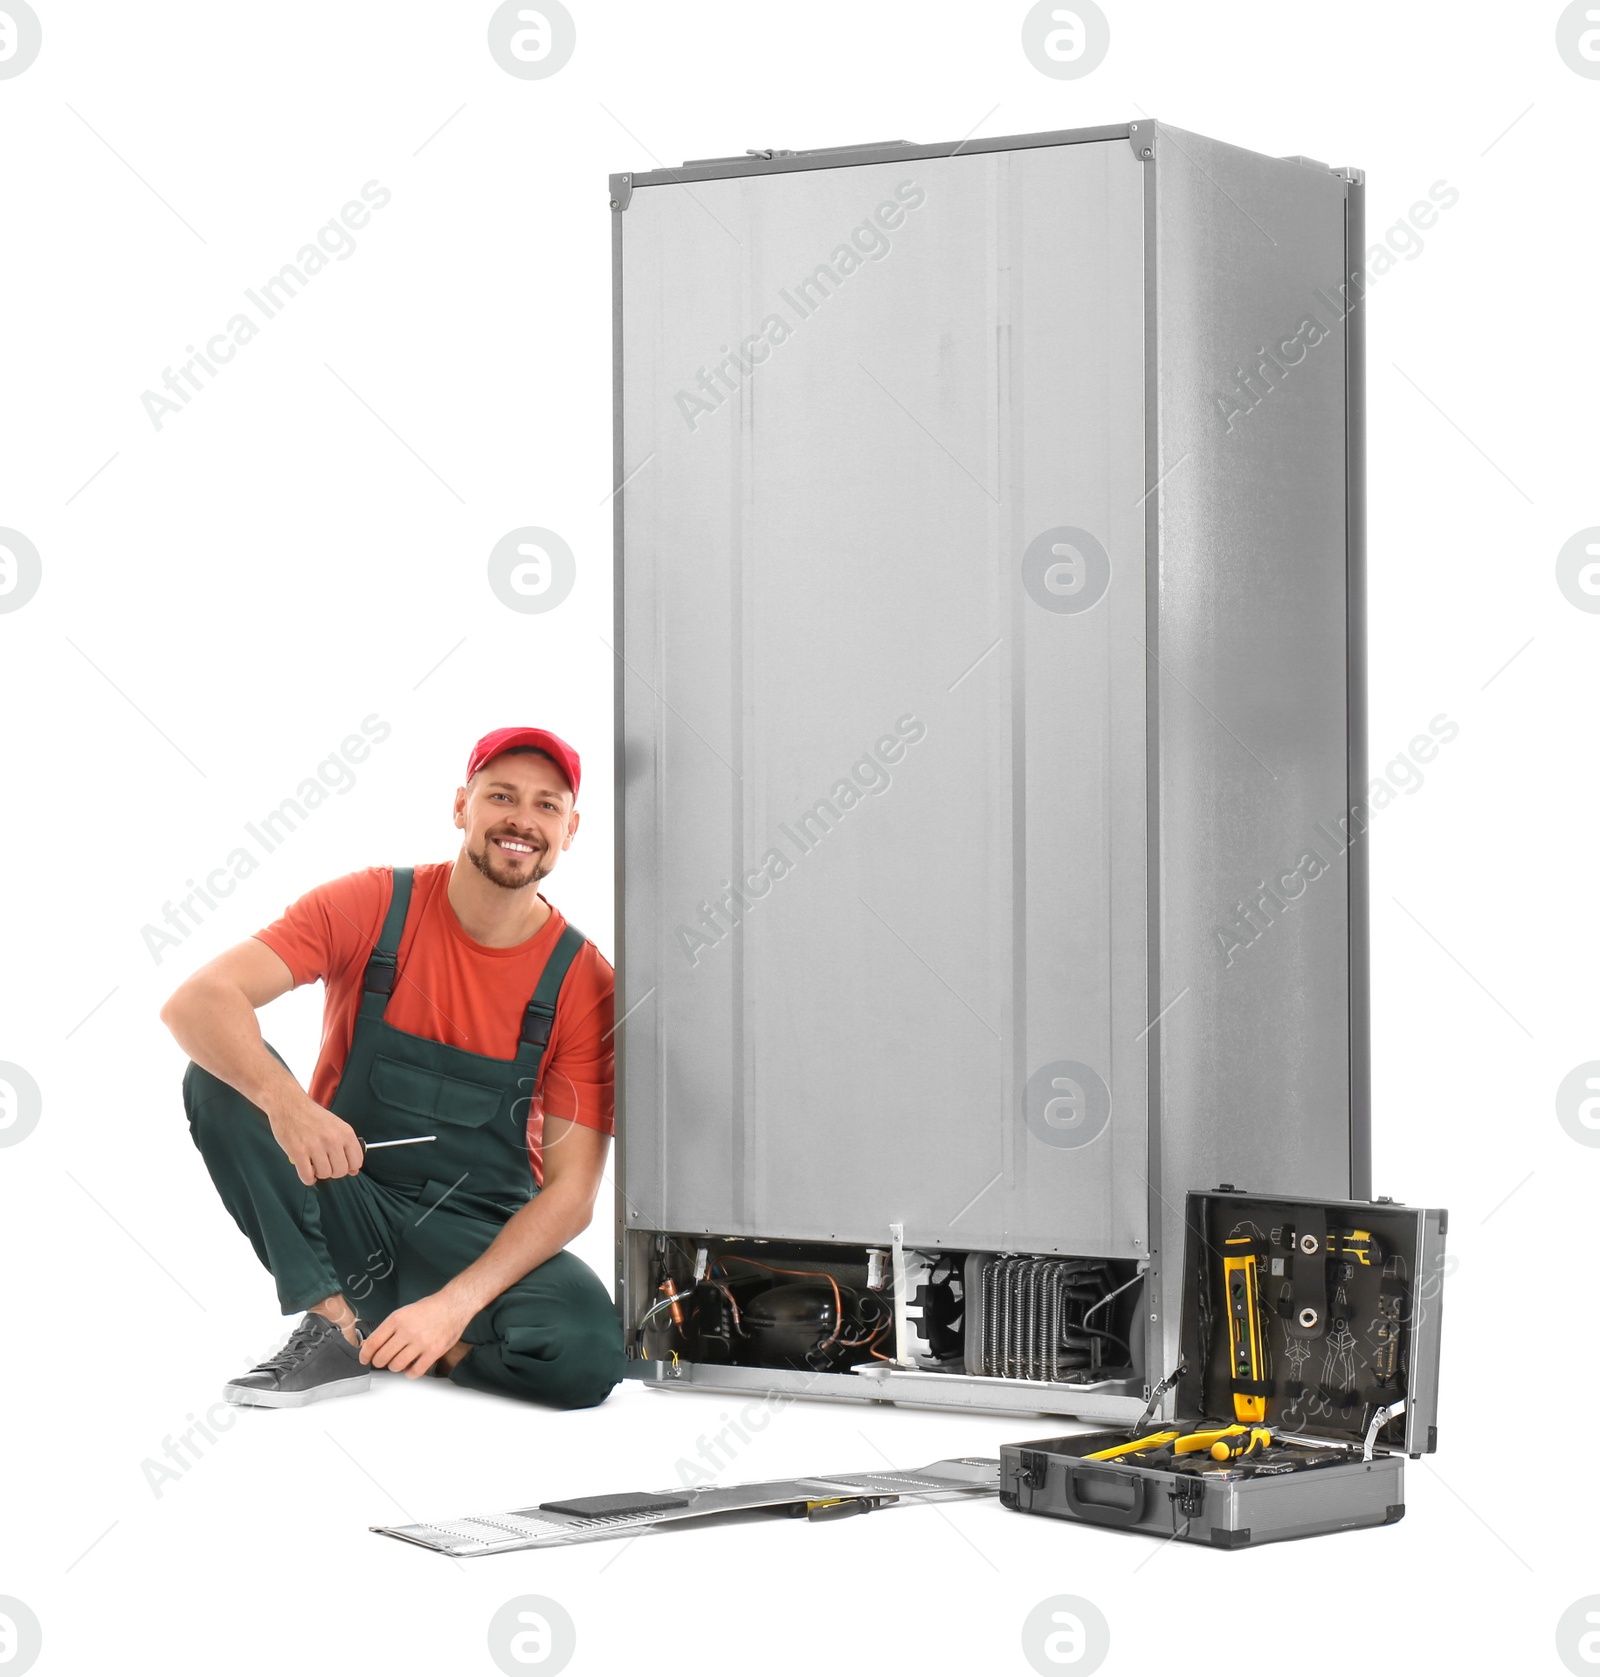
(452, 989)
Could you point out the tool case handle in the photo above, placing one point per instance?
(1105, 1513)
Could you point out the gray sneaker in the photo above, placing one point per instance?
(317, 1362)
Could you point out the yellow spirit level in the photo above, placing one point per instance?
(1244, 1326)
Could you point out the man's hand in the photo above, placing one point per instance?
(417, 1335)
(318, 1143)
(413, 1338)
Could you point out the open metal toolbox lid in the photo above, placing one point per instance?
(1348, 1299)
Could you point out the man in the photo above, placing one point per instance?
(412, 1203)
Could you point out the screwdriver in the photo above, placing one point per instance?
(1230, 1449)
(1236, 1440)
(1149, 1442)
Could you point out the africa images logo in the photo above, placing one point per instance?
(335, 775)
(870, 775)
(867, 242)
(334, 242)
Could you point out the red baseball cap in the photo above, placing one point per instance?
(502, 739)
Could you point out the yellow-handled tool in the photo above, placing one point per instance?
(1247, 1358)
(1151, 1441)
(1354, 1243)
(1230, 1449)
(1233, 1441)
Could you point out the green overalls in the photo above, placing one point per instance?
(416, 1216)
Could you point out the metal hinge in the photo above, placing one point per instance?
(621, 191)
(1155, 1399)
(765, 154)
(1381, 1417)
(1142, 137)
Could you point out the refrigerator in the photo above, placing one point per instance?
(989, 695)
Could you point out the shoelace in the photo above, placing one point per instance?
(301, 1343)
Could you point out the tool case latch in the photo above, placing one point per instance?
(1189, 1492)
(1033, 1468)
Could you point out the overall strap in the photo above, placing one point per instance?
(378, 983)
(541, 1011)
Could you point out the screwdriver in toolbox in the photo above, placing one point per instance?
(1210, 1439)
(1222, 1444)
(1236, 1442)
(1150, 1441)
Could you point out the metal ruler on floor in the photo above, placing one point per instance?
(553, 1524)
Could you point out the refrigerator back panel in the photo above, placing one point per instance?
(923, 782)
(989, 708)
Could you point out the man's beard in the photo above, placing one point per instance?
(491, 868)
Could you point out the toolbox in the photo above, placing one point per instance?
(1308, 1370)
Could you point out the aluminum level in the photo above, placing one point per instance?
(989, 708)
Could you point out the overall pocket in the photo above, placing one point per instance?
(432, 1095)
(479, 1150)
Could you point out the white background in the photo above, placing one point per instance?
(230, 595)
